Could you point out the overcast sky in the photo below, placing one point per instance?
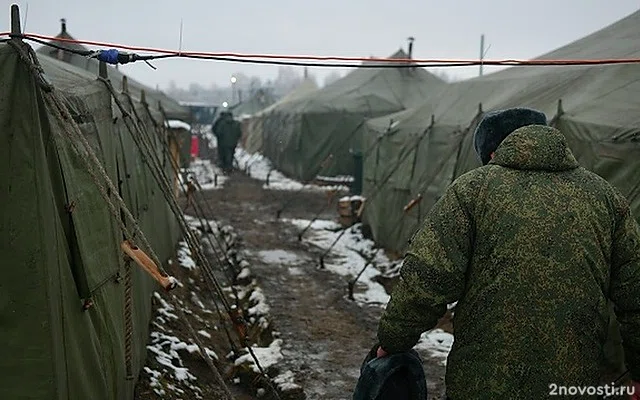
(442, 29)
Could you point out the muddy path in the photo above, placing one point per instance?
(326, 336)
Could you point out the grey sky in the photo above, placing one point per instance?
(443, 29)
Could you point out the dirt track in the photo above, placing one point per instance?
(325, 335)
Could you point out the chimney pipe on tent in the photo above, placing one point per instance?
(16, 29)
(63, 25)
(410, 39)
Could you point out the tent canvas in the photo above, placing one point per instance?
(62, 242)
(596, 107)
(320, 128)
(253, 135)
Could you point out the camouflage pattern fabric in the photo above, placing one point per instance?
(532, 246)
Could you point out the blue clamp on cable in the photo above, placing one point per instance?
(109, 56)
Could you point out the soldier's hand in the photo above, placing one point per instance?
(381, 353)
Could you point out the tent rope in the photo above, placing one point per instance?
(128, 319)
(323, 208)
(235, 314)
(70, 131)
(376, 191)
(161, 130)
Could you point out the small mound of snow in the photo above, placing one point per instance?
(207, 175)
(286, 381)
(259, 167)
(437, 342)
(185, 259)
(267, 356)
(178, 124)
(279, 256)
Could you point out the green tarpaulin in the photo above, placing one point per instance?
(301, 134)
(60, 243)
(254, 142)
(419, 152)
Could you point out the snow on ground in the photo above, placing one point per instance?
(259, 167)
(185, 258)
(258, 309)
(438, 343)
(178, 124)
(347, 258)
(282, 257)
(267, 356)
(165, 348)
(208, 176)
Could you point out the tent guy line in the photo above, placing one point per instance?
(288, 59)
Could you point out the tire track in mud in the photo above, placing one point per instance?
(325, 335)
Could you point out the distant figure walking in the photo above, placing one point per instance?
(227, 132)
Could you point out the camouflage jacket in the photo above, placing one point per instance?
(532, 246)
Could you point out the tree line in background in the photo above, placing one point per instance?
(287, 79)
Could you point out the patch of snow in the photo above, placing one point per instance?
(295, 271)
(205, 334)
(259, 167)
(178, 124)
(207, 175)
(259, 301)
(154, 379)
(352, 198)
(212, 140)
(166, 348)
(244, 274)
(164, 311)
(336, 179)
(267, 356)
(347, 257)
(436, 342)
(286, 381)
(279, 256)
(185, 258)
(211, 353)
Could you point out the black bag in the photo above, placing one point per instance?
(395, 377)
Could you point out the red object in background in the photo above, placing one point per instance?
(195, 147)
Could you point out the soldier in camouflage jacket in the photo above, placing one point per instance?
(532, 247)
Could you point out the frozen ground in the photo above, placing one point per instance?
(314, 337)
(325, 334)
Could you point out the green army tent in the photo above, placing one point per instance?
(71, 329)
(156, 98)
(260, 100)
(418, 153)
(302, 135)
(254, 132)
